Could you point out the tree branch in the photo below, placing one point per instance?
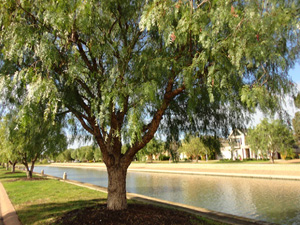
(152, 127)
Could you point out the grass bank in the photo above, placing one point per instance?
(47, 201)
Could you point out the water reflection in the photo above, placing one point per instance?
(274, 201)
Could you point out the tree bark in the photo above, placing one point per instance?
(13, 164)
(13, 169)
(28, 171)
(116, 199)
(197, 158)
(272, 157)
(7, 165)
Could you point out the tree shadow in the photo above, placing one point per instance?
(12, 176)
(49, 213)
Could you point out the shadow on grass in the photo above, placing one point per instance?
(12, 176)
(48, 213)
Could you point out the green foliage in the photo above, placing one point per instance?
(44, 161)
(173, 148)
(271, 137)
(194, 147)
(98, 154)
(29, 135)
(116, 60)
(153, 148)
(85, 153)
(65, 156)
(164, 157)
(213, 144)
(296, 127)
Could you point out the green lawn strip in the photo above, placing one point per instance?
(44, 201)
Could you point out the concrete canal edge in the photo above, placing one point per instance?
(217, 216)
(8, 215)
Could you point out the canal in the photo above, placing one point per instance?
(276, 201)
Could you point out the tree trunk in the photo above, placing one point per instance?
(28, 172)
(197, 158)
(13, 169)
(7, 165)
(13, 164)
(272, 154)
(116, 199)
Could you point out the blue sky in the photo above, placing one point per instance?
(295, 74)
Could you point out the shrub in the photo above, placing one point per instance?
(164, 157)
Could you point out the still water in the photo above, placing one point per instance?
(276, 201)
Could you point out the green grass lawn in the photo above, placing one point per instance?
(44, 201)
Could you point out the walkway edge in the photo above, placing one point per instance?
(7, 211)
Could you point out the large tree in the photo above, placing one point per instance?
(271, 138)
(119, 66)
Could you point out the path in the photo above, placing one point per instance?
(8, 214)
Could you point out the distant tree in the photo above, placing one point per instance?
(89, 154)
(194, 147)
(172, 147)
(296, 127)
(97, 154)
(213, 144)
(253, 138)
(32, 136)
(65, 155)
(153, 148)
(74, 154)
(84, 153)
(296, 121)
(271, 137)
(3, 151)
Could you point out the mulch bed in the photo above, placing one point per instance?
(135, 214)
(11, 172)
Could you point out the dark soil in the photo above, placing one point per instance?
(135, 214)
(11, 172)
